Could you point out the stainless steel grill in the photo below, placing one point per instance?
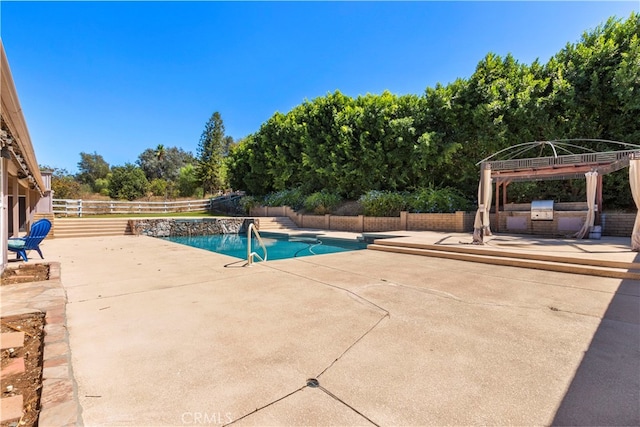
(542, 210)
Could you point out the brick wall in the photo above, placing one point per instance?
(347, 223)
(311, 221)
(269, 211)
(439, 221)
(516, 220)
(378, 223)
(617, 223)
(564, 223)
(560, 206)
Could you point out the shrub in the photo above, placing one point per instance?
(249, 202)
(158, 187)
(383, 203)
(188, 185)
(441, 200)
(349, 208)
(293, 198)
(321, 202)
(101, 185)
(65, 187)
(128, 182)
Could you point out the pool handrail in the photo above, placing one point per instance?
(250, 254)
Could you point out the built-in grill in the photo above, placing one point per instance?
(542, 210)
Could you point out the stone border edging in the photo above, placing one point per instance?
(59, 403)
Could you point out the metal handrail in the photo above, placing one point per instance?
(250, 254)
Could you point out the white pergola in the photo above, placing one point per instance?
(562, 164)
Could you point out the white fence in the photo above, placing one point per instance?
(79, 207)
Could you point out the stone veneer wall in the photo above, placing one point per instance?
(169, 227)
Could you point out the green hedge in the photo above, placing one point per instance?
(322, 202)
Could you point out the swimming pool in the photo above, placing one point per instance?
(279, 246)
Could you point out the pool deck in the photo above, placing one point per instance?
(165, 334)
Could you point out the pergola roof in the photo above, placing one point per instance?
(557, 167)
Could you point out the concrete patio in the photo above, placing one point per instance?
(164, 334)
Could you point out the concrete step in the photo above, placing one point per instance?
(276, 223)
(485, 250)
(539, 262)
(90, 233)
(91, 227)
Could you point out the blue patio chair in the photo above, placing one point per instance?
(21, 245)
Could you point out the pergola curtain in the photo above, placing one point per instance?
(592, 184)
(481, 223)
(634, 181)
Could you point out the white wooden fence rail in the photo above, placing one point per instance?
(79, 207)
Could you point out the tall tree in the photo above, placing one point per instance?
(128, 182)
(228, 143)
(210, 154)
(590, 89)
(164, 163)
(63, 184)
(90, 168)
(160, 154)
(187, 181)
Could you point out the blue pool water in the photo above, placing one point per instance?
(279, 246)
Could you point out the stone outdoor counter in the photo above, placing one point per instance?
(169, 227)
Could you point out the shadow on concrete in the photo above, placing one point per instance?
(606, 387)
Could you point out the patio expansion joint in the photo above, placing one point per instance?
(308, 385)
(333, 396)
(265, 406)
(385, 313)
(314, 384)
(352, 345)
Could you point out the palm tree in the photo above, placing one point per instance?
(160, 153)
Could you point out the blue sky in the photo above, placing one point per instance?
(117, 78)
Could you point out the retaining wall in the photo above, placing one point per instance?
(515, 219)
(166, 227)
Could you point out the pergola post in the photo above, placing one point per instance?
(599, 201)
(497, 224)
(634, 182)
(481, 224)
